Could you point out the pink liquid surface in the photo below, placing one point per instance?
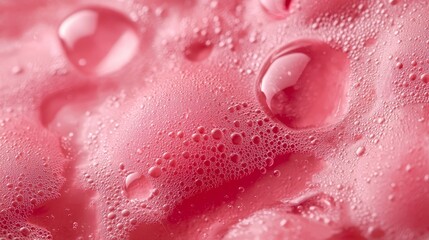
(259, 119)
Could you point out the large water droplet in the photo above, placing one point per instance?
(277, 8)
(137, 186)
(98, 40)
(303, 84)
(316, 206)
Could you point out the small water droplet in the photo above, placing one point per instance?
(217, 134)
(425, 77)
(399, 65)
(392, 2)
(234, 157)
(125, 212)
(283, 222)
(303, 85)
(24, 231)
(236, 138)
(256, 139)
(408, 168)
(196, 137)
(111, 215)
(155, 172)
(381, 120)
(360, 151)
(17, 70)
(98, 40)
(269, 161)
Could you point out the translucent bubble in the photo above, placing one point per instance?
(277, 8)
(303, 85)
(217, 134)
(98, 40)
(155, 172)
(236, 138)
(137, 186)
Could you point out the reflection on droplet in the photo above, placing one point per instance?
(277, 8)
(137, 186)
(98, 40)
(303, 85)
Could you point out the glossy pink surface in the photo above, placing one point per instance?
(132, 119)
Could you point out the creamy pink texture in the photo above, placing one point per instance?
(269, 119)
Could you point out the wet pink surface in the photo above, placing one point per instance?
(192, 119)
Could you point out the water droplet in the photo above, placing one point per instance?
(236, 138)
(155, 172)
(256, 139)
(166, 155)
(125, 212)
(98, 40)
(380, 120)
(316, 206)
(408, 168)
(303, 85)
(24, 231)
(111, 215)
(283, 222)
(137, 186)
(196, 137)
(217, 134)
(360, 151)
(399, 65)
(17, 70)
(425, 77)
(392, 2)
(198, 51)
(269, 161)
(234, 157)
(277, 8)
